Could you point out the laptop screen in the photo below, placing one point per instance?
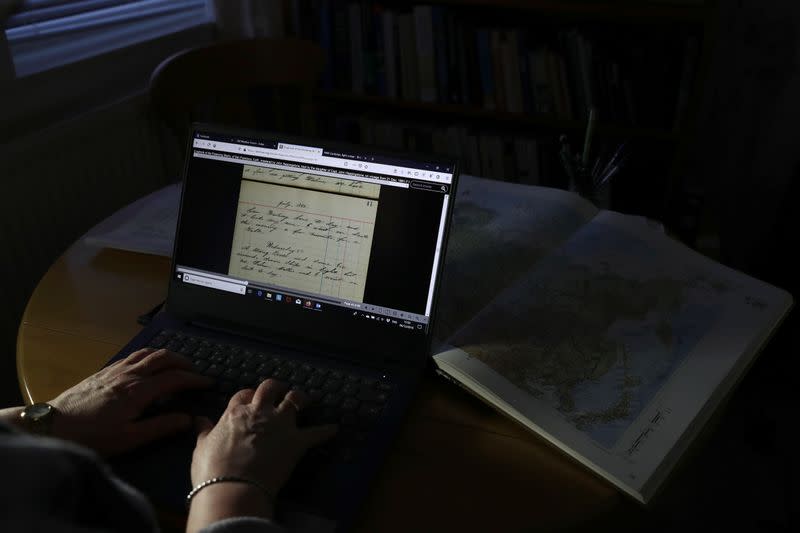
(285, 234)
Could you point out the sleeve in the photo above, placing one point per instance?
(60, 486)
(244, 524)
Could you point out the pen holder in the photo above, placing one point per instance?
(583, 184)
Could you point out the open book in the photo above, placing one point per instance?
(594, 329)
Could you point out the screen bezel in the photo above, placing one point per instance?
(362, 341)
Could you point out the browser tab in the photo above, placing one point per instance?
(300, 151)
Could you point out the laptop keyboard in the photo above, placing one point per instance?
(353, 401)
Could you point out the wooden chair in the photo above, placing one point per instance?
(256, 83)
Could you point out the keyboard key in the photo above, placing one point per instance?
(314, 394)
(251, 364)
(332, 385)
(369, 412)
(331, 400)
(231, 373)
(350, 404)
(265, 369)
(266, 358)
(282, 373)
(298, 376)
(214, 370)
(384, 386)
(202, 353)
(247, 378)
(199, 365)
(316, 380)
(158, 341)
(372, 395)
(350, 389)
(174, 346)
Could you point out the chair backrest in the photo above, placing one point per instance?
(261, 83)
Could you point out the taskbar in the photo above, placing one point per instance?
(309, 301)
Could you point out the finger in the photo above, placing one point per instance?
(241, 397)
(203, 426)
(138, 355)
(168, 382)
(294, 402)
(314, 435)
(145, 431)
(269, 392)
(162, 360)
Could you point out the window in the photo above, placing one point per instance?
(44, 34)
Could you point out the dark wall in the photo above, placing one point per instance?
(746, 159)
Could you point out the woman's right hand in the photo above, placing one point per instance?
(256, 438)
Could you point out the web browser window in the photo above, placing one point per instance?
(327, 230)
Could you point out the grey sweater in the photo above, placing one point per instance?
(51, 485)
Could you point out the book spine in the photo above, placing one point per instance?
(423, 27)
(441, 51)
(342, 65)
(356, 48)
(325, 38)
(390, 53)
(486, 68)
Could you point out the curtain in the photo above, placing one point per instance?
(44, 34)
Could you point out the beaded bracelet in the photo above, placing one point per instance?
(223, 479)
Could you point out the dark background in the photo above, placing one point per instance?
(733, 198)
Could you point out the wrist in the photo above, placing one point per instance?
(228, 499)
(36, 418)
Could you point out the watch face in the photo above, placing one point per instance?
(38, 410)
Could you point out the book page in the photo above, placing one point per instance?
(303, 239)
(499, 231)
(311, 181)
(616, 343)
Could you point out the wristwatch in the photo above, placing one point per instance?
(38, 418)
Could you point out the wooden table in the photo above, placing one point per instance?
(457, 465)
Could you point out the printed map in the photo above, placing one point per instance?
(587, 333)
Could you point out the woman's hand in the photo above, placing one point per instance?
(102, 412)
(256, 438)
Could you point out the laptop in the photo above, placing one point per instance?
(311, 262)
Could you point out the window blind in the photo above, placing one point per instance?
(44, 34)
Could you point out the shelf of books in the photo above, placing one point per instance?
(497, 83)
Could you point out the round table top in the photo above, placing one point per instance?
(456, 465)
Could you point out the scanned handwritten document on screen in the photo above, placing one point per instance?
(311, 181)
(304, 238)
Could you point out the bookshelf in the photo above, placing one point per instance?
(496, 82)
